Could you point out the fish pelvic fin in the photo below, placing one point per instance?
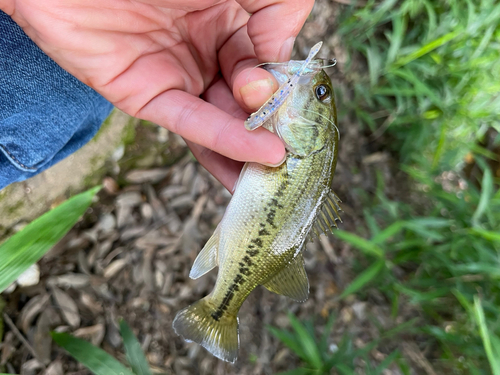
(291, 281)
(219, 335)
(207, 259)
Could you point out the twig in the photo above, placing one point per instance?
(416, 356)
(21, 338)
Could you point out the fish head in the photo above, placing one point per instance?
(306, 122)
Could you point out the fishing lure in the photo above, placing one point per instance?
(258, 118)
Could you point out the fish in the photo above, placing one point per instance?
(273, 213)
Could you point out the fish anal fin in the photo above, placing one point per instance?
(291, 281)
(207, 259)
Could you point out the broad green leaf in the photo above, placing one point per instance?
(364, 245)
(307, 342)
(27, 246)
(95, 359)
(364, 278)
(133, 350)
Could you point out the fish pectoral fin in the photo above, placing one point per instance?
(207, 259)
(327, 215)
(291, 281)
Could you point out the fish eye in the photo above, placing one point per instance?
(322, 92)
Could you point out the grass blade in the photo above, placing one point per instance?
(485, 336)
(27, 246)
(297, 371)
(307, 342)
(426, 49)
(374, 64)
(95, 359)
(399, 28)
(486, 193)
(364, 278)
(133, 350)
(364, 245)
(388, 232)
(386, 362)
(487, 234)
(323, 344)
(288, 339)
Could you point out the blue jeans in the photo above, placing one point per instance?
(46, 114)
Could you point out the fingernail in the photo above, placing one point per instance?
(278, 164)
(286, 49)
(255, 93)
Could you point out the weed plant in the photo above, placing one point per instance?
(426, 75)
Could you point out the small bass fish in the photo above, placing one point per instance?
(273, 212)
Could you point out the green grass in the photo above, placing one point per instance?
(425, 78)
(432, 74)
(320, 356)
(27, 246)
(101, 363)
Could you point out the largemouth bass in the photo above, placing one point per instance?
(271, 215)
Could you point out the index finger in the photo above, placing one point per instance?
(205, 124)
(273, 26)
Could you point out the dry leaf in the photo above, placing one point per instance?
(70, 280)
(55, 368)
(42, 342)
(151, 175)
(114, 268)
(31, 310)
(69, 310)
(94, 333)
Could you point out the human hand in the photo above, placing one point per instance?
(154, 58)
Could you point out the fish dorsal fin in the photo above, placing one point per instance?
(291, 281)
(207, 259)
(327, 215)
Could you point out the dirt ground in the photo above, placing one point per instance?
(131, 254)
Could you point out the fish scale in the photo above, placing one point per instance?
(260, 239)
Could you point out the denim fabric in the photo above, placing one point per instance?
(46, 114)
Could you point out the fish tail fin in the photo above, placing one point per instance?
(218, 334)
